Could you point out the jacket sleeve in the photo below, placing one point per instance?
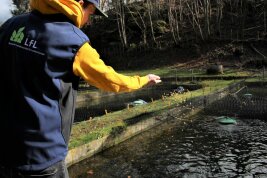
(92, 69)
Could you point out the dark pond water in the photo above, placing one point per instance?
(200, 148)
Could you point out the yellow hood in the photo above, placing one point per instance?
(72, 9)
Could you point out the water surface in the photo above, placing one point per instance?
(199, 148)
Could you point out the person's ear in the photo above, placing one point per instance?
(92, 8)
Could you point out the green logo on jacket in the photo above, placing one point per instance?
(17, 36)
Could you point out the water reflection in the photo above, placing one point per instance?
(201, 148)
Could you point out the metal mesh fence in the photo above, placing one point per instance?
(237, 100)
(245, 103)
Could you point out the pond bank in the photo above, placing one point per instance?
(120, 134)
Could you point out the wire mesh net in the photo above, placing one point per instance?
(245, 103)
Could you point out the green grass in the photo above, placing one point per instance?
(94, 134)
(171, 72)
(257, 79)
(158, 71)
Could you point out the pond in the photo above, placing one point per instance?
(202, 148)
(199, 147)
(96, 103)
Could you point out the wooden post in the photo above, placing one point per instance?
(265, 26)
(192, 75)
(263, 72)
(176, 81)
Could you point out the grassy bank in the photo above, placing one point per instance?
(173, 72)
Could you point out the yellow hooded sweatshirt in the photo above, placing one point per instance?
(87, 63)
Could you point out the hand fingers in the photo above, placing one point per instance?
(153, 77)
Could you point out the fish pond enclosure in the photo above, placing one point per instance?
(96, 103)
(196, 145)
(201, 148)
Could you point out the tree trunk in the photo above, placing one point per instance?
(172, 20)
(150, 10)
(207, 17)
(219, 17)
(195, 18)
(265, 16)
(120, 14)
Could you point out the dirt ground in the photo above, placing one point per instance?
(236, 55)
(229, 54)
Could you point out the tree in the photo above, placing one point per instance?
(138, 14)
(174, 19)
(207, 14)
(194, 11)
(265, 15)
(150, 11)
(219, 16)
(22, 6)
(119, 10)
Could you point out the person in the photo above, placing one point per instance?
(43, 55)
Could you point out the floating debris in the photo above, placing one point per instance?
(179, 90)
(226, 120)
(248, 95)
(137, 102)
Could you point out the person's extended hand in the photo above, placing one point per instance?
(153, 79)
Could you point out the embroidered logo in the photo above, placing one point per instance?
(29, 44)
(17, 36)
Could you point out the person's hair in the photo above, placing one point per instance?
(85, 4)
